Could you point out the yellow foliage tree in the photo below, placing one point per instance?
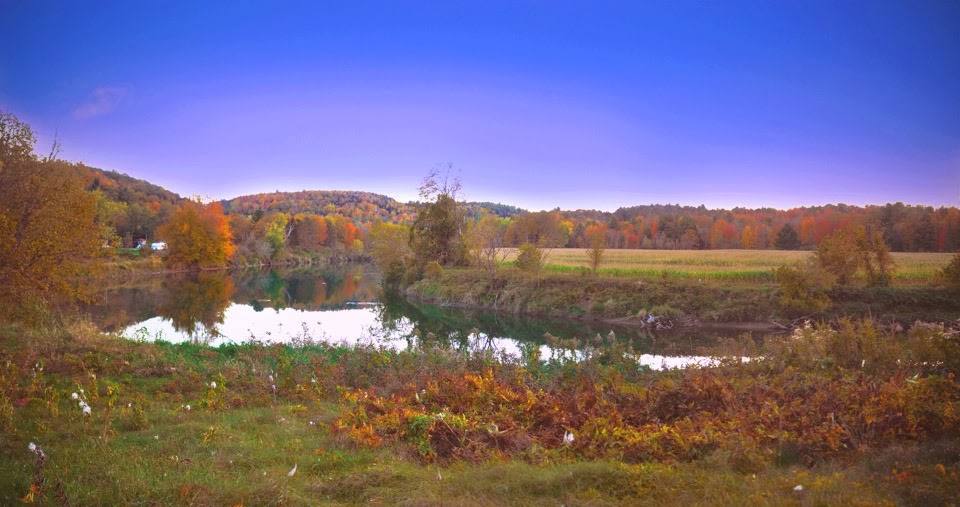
(48, 226)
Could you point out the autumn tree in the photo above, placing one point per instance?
(875, 258)
(847, 251)
(596, 245)
(48, 226)
(391, 251)
(436, 233)
(837, 254)
(276, 232)
(308, 232)
(484, 240)
(198, 235)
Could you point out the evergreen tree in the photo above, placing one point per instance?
(787, 238)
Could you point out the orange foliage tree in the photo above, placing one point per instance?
(198, 235)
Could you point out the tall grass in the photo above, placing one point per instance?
(722, 265)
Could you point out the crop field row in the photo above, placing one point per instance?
(724, 265)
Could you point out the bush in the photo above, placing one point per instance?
(951, 273)
(433, 270)
(803, 287)
(530, 258)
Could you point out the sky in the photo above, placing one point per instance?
(537, 104)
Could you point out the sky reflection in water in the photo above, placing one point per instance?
(337, 307)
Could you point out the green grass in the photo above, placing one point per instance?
(239, 442)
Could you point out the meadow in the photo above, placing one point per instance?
(722, 265)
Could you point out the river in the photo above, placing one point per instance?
(344, 305)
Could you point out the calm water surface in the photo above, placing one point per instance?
(345, 305)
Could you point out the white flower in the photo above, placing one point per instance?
(567, 438)
(86, 410)
(798, 488)
(313, 381)
(188, 408)
(213, 385)
(156, 437)
(273, 387)
(73, 396)
(311, 423)
(270, 378)
(129, 405)
(32, 447)
(81, 390)
(292, 471)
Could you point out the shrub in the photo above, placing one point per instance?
(951, 273)
(530, 258)
(804, 286)
(433, 270)
(845, 252)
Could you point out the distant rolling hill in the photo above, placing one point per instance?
(362, 206)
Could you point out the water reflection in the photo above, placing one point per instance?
(343, 305)
(195, 303)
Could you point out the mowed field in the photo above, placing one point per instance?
(728, 265)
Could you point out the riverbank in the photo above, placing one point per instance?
(153, 264)
(832, 416)
(672, 302)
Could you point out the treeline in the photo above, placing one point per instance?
(132, 209)
(904, 228)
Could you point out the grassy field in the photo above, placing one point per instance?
(831, 417)
(723, 265)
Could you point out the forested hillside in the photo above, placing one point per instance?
(132, 209)
(128, 208)
(356, 205)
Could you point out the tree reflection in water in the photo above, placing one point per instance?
(195, 303)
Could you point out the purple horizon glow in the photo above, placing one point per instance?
(571, 105)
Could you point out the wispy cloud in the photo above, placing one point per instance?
(102, 100)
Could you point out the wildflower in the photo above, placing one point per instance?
(798, 489)
(311, 423)
(188, 408)
(156, 437)
(274, 387)
(213, 385)
(73, 396)
(129, 405)
(567, 438)
(292, 470)
(313, 381)
(32, 447)
(86, 410)
(270, 378)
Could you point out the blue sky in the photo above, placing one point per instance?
(537, 104)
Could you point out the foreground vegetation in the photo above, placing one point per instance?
(849, 413)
